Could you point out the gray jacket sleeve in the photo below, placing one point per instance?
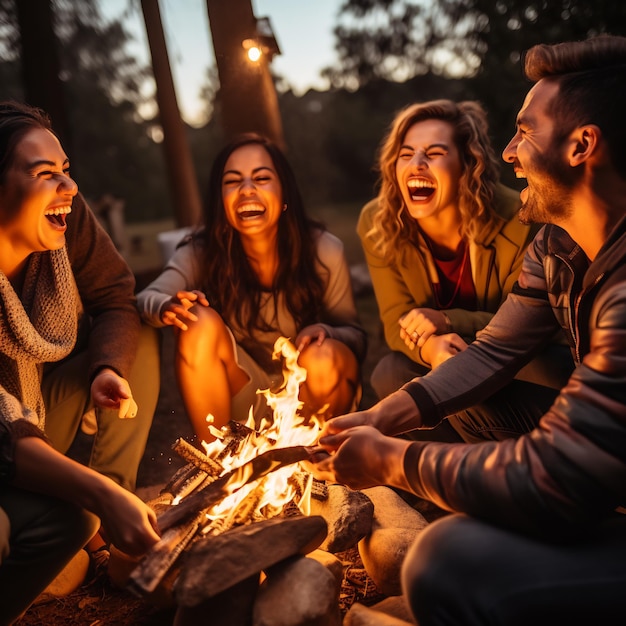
(180, 274)
(570, 471)
(519, 330)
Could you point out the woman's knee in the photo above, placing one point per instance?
(329, 363)
(203, 337)
(45, 523)
(209, 320)
(80, 524)
(84, 524)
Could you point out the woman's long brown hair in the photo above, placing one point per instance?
(230, 282)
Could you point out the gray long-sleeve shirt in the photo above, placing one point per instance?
(184, 272)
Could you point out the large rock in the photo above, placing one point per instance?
(298, 592)
(348, 514)
(213, 564)
(395, 527)
(232, 607)
(330, 562)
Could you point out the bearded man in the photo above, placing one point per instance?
(537, 534)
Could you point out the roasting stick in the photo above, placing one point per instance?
(231, 481)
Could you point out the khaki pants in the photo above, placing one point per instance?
(119, 444)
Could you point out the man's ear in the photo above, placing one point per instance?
(584, 143)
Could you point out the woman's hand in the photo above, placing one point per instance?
(129, 523)
(315, 333)
(362, 457)
(440, 348)
(420, 324)
(176, 311)
(110, 391)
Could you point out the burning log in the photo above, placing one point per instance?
(179, 524)
(196, 458)
(206, 498)
(215, 563)
(155, 565)
(229, 482)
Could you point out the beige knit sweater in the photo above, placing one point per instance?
(37, 326)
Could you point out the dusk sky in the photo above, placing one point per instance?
(303, 29)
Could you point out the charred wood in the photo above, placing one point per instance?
(211, 494)
(192, 455)
(155, 565)
(212, 564)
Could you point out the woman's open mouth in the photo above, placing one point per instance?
(420, 189)
(250, 211)
(57, 216)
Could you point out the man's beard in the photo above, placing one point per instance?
(549, 202)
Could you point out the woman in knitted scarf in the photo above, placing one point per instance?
(44, 496)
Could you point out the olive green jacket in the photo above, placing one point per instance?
(496, 259)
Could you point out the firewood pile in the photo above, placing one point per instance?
(248, 535)
(184, 506)
(204, 558)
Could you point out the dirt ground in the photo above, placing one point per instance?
(98, 602)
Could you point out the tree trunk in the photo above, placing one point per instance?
(41, 67)
(183, 181)
(247, 93)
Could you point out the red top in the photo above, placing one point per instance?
(455, 289)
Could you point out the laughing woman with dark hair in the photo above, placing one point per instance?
(47, 287)
(258, 269)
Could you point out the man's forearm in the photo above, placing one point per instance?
(395, 414)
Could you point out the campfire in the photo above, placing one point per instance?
(248, 488)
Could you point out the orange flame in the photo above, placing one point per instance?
(288, 428)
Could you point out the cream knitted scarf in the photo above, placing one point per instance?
(37, 328)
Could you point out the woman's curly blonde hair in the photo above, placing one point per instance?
(392, 224)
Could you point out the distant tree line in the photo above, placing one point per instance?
(391, 53)
(395, 52)
(476, 44)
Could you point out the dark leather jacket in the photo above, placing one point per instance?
(571, 470)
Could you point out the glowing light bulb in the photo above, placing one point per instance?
(254, 53)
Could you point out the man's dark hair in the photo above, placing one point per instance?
(591, 76)
(16, 119)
